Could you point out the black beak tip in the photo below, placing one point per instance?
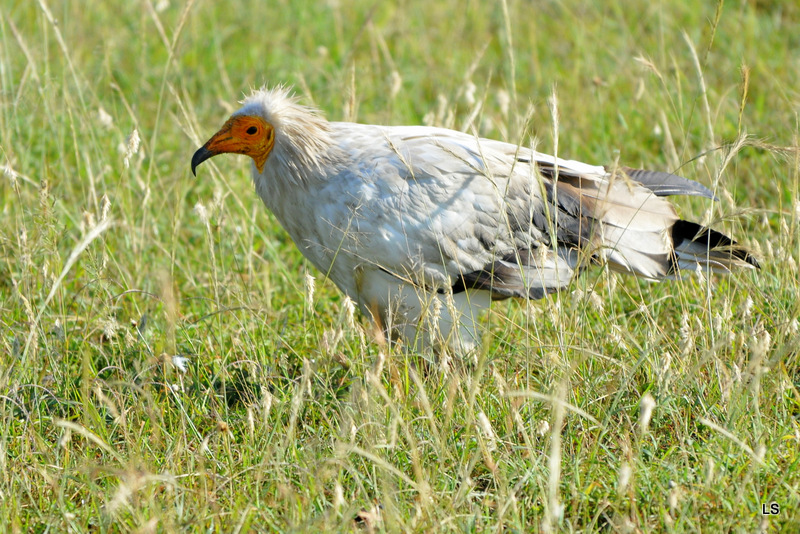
(199, 157)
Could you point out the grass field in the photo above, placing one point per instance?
(166, 368)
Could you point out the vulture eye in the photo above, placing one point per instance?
(252, 130)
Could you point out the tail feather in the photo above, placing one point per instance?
(626, 224)
(641, 233)
(642, 253)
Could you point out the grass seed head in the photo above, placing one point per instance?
(310, 288)
(104, 119)
(488, 432)
(131, 148)
(646, 405)
(623, 478)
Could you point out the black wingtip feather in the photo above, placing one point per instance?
(684, 231)
(665, 184)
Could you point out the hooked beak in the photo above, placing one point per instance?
(200, 156)
(241, 134)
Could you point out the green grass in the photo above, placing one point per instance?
(289, 417)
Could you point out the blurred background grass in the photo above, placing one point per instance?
(167, 368)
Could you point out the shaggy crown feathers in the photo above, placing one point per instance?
(303, 139)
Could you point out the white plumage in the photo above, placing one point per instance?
(423, 227)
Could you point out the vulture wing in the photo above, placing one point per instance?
(488, 215)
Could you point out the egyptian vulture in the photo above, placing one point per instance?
(423, 227)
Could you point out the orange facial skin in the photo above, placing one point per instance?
(248, 135)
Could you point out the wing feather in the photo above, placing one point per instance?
(667, 184)
(481, 214)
